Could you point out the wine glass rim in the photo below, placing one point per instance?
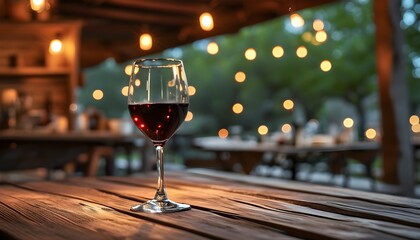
(167, 62)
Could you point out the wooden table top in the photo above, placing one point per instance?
(224, 206)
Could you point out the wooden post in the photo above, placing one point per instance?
(398, 164)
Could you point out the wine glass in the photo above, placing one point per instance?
(158, 103)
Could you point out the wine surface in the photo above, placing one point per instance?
(158, 121)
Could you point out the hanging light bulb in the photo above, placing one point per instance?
(146, 41)
(206, 21)
(296, 20)
(55, 46)
(38, 5)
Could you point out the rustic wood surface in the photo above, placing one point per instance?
(224, 206)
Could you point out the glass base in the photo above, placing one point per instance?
(164, 206)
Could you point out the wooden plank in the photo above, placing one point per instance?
(209, 224)
(359, 213)
(343, 193)
(33, 215)
(302, 221)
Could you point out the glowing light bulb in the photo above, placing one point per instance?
(146, 41)
(206, 21)
(212, 48)
(55, 46)
(38, 5)
(296, 20)
(288, 104)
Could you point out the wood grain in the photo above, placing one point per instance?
(224, 206)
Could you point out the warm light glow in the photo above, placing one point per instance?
(318, 25)
(307, 37)
(326, 66)
(414, 119)
(237, 108)
(286, 128)
(223, 133)
(212, 48)
(301, 52)
(189, 116)
(288, 104)
(206, 21)
(146, 41)
(296, 20)
(9, 96)
(415, 128)
(348, 122)
(73, 107)
(55, 46)
(250, 54)
(321, 36)
(124, 91)
(278, 52)
(38, 5)
(137, 82)
(370, 133)
(191, 90)
(262, 130)
(128, 69)
(240, 77)
(97, 94)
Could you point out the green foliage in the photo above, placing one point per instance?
(350, 47)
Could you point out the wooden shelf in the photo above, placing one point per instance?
(34, 71)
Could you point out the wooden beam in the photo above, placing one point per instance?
(167, 6)
(122, 15)
(398, 164)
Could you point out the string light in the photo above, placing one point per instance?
(301, 52)
(286, 128)
(278, 52)
(370, 133)
(326, 66)
(189, 116)
(240, 77)
(146, 41)
(296, 20)
(318, 25)
(237, 108)
(38, 5)
(212, 48)
(348, 122)
(288, 104)
(223, 133)
(206, 21)
(97, 94)
(191, 90)
(262, 130)
(321, 36)
(250, 54)
(55, 46)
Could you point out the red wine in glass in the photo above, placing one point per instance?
(158, 103)
(158, 121)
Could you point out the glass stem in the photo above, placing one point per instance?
(160, 192)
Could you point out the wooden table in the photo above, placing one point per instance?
(249, 154)
(224, 206)
(32, 149)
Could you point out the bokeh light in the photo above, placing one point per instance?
(296, 20)
(348, 122)
(262, 130)
(321, 36)
(124, 91)
(212, 48)
(189, 116)
(286, 128)
(97, 94)
(318, 25)
(237, 108)
(250, 54)
(288, 104)
(301, 52)
(370, 133)
(278, 52)
(325, 65)
(414, 119)
(223, 133)
(191, 90)
(240, 77)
